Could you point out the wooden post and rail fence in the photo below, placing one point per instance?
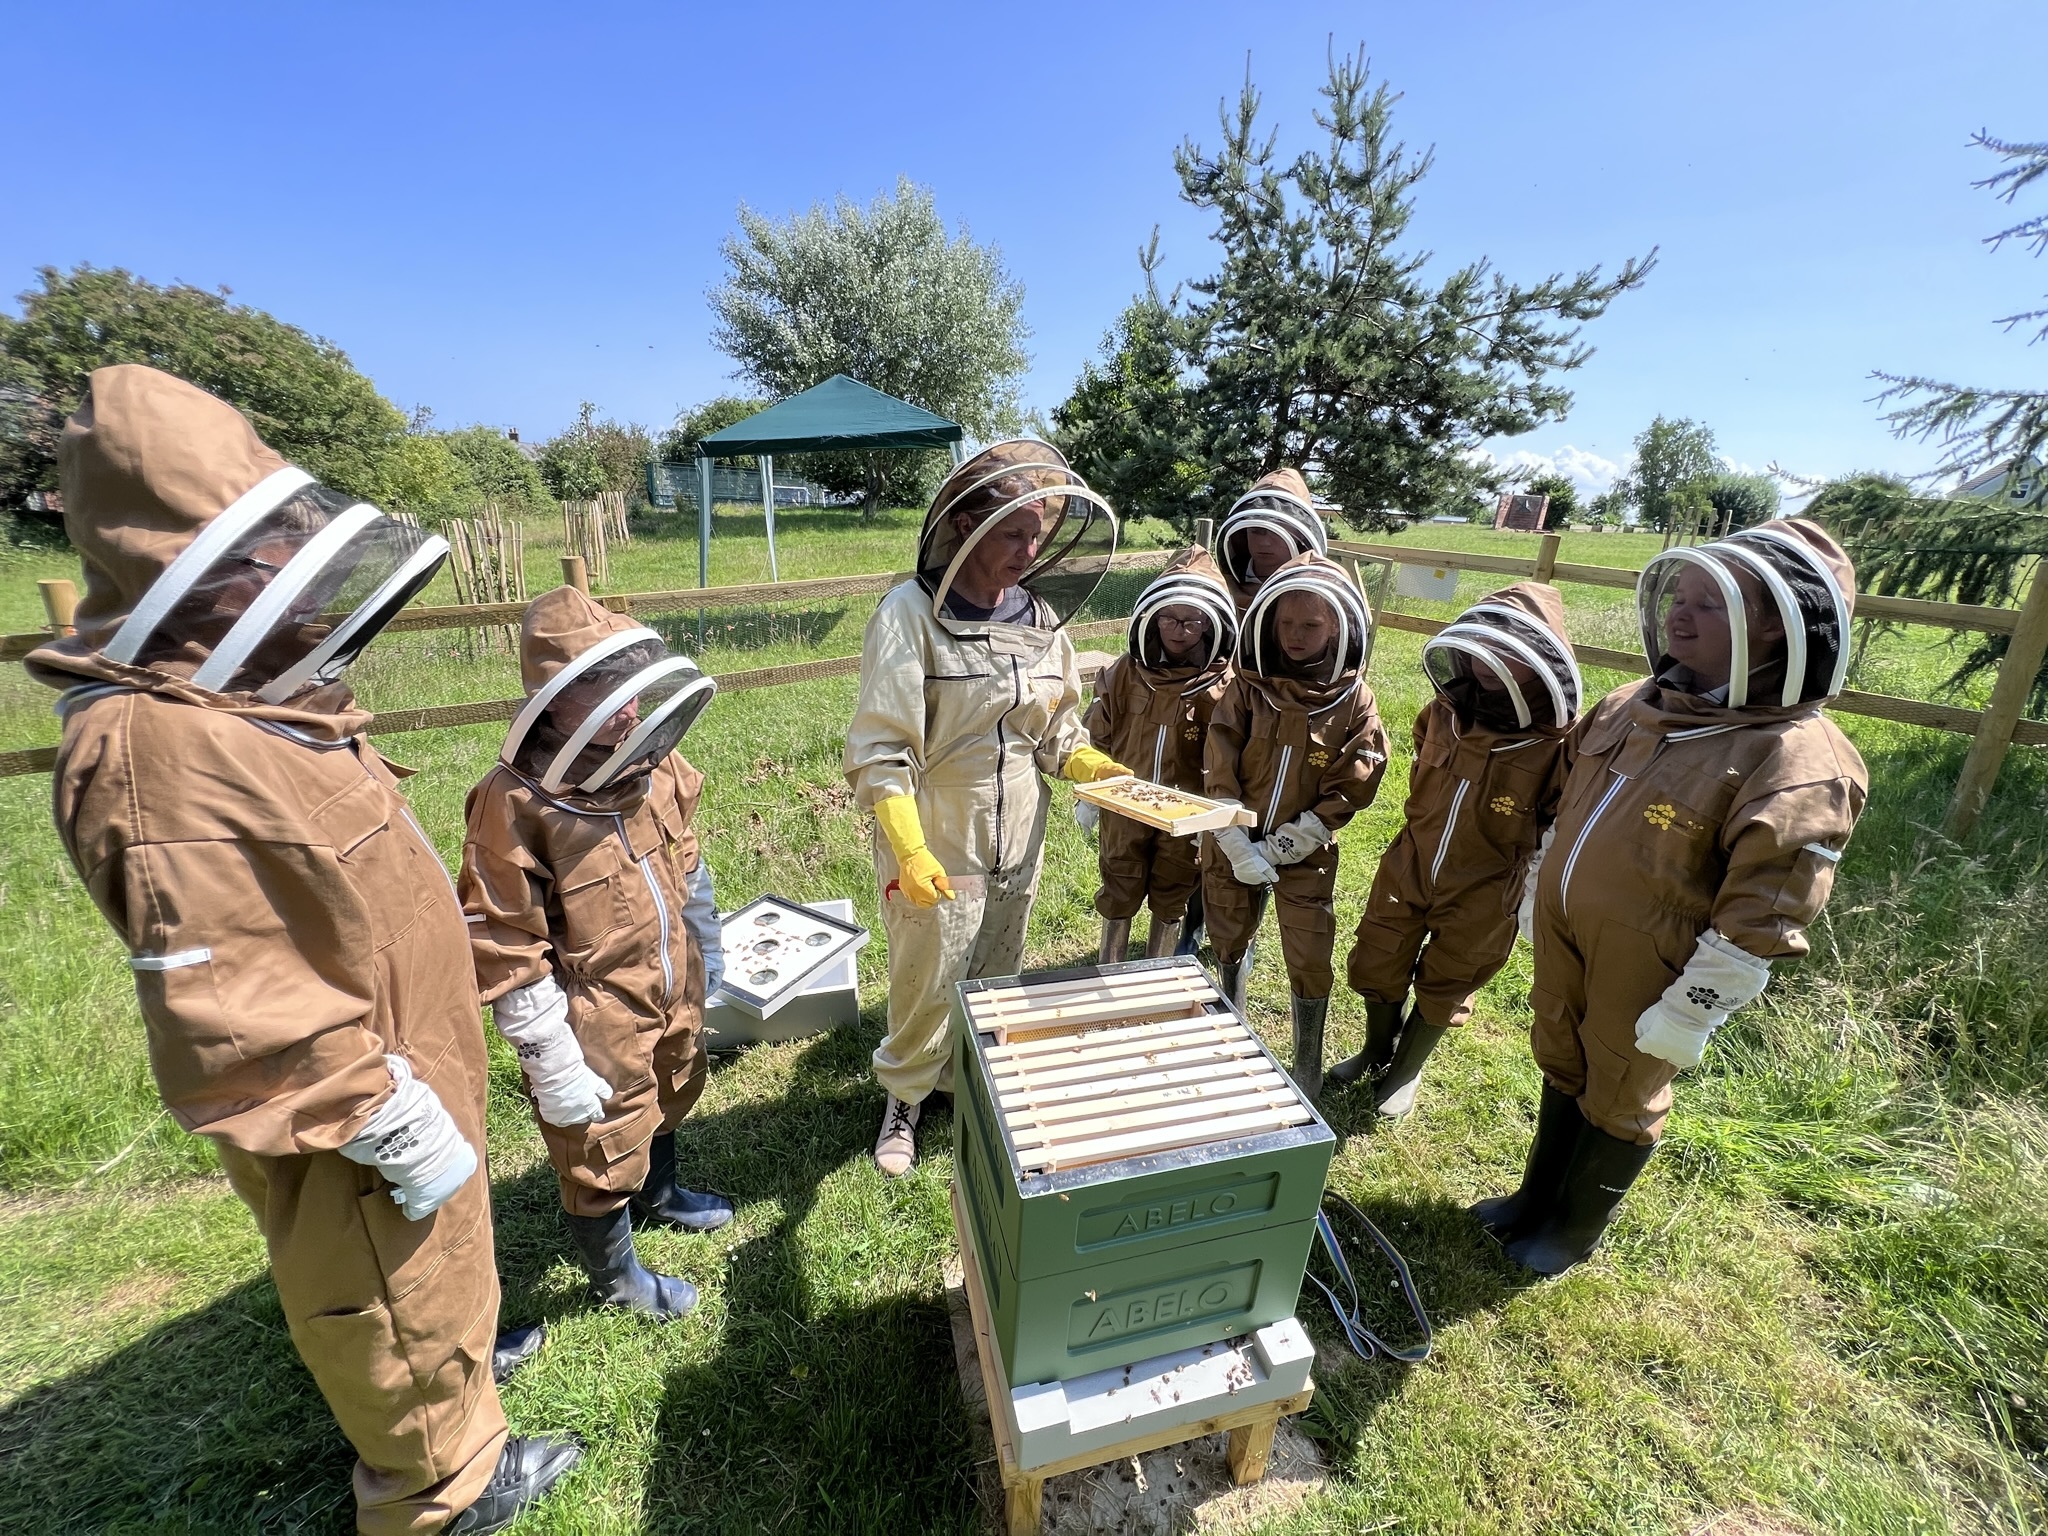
(1994, 730)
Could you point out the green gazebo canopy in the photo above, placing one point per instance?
(840, 413)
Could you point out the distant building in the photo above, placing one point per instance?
(1523, 513)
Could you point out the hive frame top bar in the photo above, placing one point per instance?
(1113, 795)
(1033, 1180)
(794, 965)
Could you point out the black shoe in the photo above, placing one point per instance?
(1558, 1124)
(1310, 1013)
(1602, 1170)
(527, 1468)
(1382, 1024)
(1395, 1095)
(662, 1199)
(617, 1278)
(514, 1348)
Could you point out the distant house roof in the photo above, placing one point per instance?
(839, 413)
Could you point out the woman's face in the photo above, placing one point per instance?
(1304, 625)
(1001, 556)
(1183, 630)
(1696, 629)
(1266, 551)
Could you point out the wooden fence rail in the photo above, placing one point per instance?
(1993, 730)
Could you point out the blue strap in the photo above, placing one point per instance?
(1363, 1341)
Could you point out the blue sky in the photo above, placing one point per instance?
(502, 211)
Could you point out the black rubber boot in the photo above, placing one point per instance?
(1382, 1025)
(1395, 1095)
(516, 1346)
(527, 1468)
(1310, 1014)
(1161, 939)
(1558, 1124)
(1602, 1170)
(617, 1278)
(662, 1200)
(1116, 940)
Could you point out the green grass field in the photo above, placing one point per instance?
(1825, 1308)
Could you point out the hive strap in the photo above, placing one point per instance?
(1364, 1342)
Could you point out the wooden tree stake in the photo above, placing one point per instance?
(60, 602)
(575, 573)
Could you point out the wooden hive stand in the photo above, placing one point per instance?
(1250, 1429)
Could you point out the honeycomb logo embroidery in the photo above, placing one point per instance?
(1192, 733)
(1709, 999)
(1503, 805)
(1660, 815)
(1319, 758)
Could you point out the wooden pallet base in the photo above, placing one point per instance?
(1250, 1430)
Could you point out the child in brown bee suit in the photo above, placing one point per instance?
(1488, 769)
(1151, 710)
(1702, 819)
(593, 929)
(1295, 739)
(1266, 527)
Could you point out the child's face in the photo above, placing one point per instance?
(1183, 630)
(1304, 625)
(578, 701)
(1490, 681)
(1696, 629)
(1266, 551)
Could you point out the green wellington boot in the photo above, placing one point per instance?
(1310, 1014)
(1395, 1095)
(1382, 1024)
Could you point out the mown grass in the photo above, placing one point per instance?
(1827, 1301)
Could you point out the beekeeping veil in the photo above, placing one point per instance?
(1278, 504)
(1788, 575)
(210, 558)
(1505, 664)
(1258, 642)
(1024, 480)
(606, 699)
(1191, 581)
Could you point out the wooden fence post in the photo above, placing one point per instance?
(576, 574)
(60, 603)
(1546, 556)
(2009, 695)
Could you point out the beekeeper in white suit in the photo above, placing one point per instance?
(969, 697)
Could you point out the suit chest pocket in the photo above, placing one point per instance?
(590, 892)
(375, 858)
(1674, 823)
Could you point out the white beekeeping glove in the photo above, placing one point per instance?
(1719, 979)
(412, 1141)
(1525, 914)
(1246, 862)
(1294, 841)
(535, 1018)
(700, 916)
(1087, 815)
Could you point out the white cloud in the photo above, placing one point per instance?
(1588, 472)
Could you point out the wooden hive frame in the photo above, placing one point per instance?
(1096, 1069)
(1158, 805)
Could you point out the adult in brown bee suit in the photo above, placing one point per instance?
(298, 952)
(593, 928)
(969, 697)
(1704, 815)
(1487, 772)
(1295, 739)
(1266, 527)
(1151, 710)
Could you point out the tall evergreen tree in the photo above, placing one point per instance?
(1323, 340)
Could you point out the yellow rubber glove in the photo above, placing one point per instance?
(921, 877)
(1087, 765)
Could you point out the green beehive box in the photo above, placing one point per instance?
(1138, 1173)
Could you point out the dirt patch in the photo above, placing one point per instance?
(147, 1292)
(1748, 1522)
(1183, 1488)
